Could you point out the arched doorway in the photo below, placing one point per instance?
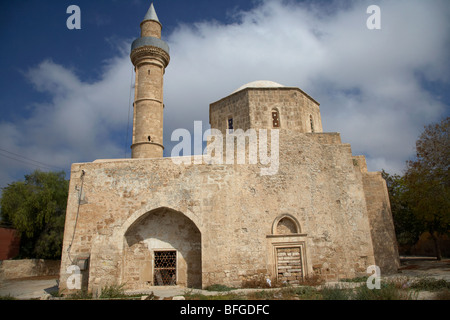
(161, 248)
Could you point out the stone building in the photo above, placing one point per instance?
(150, 221)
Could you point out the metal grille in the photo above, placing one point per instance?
(275, 119)
(165, 268)
(230, 125)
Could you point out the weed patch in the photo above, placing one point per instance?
(430, 284)
(113, 292)
(443, 295)
(336, 293)
(219, 288)
(387, 291)
(79, 295)
(357, 279)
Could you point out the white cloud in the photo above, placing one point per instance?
(81, 122)
(366, 80)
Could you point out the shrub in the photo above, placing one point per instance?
(259, 281)
(313, 281)
(113, 291)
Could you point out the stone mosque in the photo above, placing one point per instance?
(152, 221)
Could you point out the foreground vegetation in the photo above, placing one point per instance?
(349, 289)
(395, 289)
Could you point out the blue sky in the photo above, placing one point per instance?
(65, 94)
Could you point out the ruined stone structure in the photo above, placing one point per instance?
(150, 221)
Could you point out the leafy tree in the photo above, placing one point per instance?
(427, 181)
(408, 227)
(36, 207)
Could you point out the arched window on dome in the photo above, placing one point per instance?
(275, 118)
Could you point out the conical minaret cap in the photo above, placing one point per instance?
(150, 37)
(151, 14)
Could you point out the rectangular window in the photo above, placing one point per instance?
(165, 268)
(230, 125)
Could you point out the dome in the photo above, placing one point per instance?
(260, 84)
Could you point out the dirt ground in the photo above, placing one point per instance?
(29, 288)
(411, 267)
(425, 267)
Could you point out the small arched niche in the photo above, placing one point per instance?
(285, 224)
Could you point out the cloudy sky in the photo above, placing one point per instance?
(66, 94)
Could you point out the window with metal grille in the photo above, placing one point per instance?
(311, 123)
(165, 268)
(275, 119)
(230, 125)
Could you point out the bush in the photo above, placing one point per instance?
(112, 292)
(259, 281)
(313, 281)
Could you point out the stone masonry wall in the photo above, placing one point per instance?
(26, 268)
(232, 206)
(236, 107)
(381, 223)
(295, 109)
(252, 108)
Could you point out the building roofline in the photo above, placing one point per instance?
(267, 88)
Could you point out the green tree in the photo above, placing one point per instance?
(36, 207)
(408, 227)
(427, 181)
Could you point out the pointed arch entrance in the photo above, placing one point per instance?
(162, 247)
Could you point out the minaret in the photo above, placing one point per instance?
(150, 57)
